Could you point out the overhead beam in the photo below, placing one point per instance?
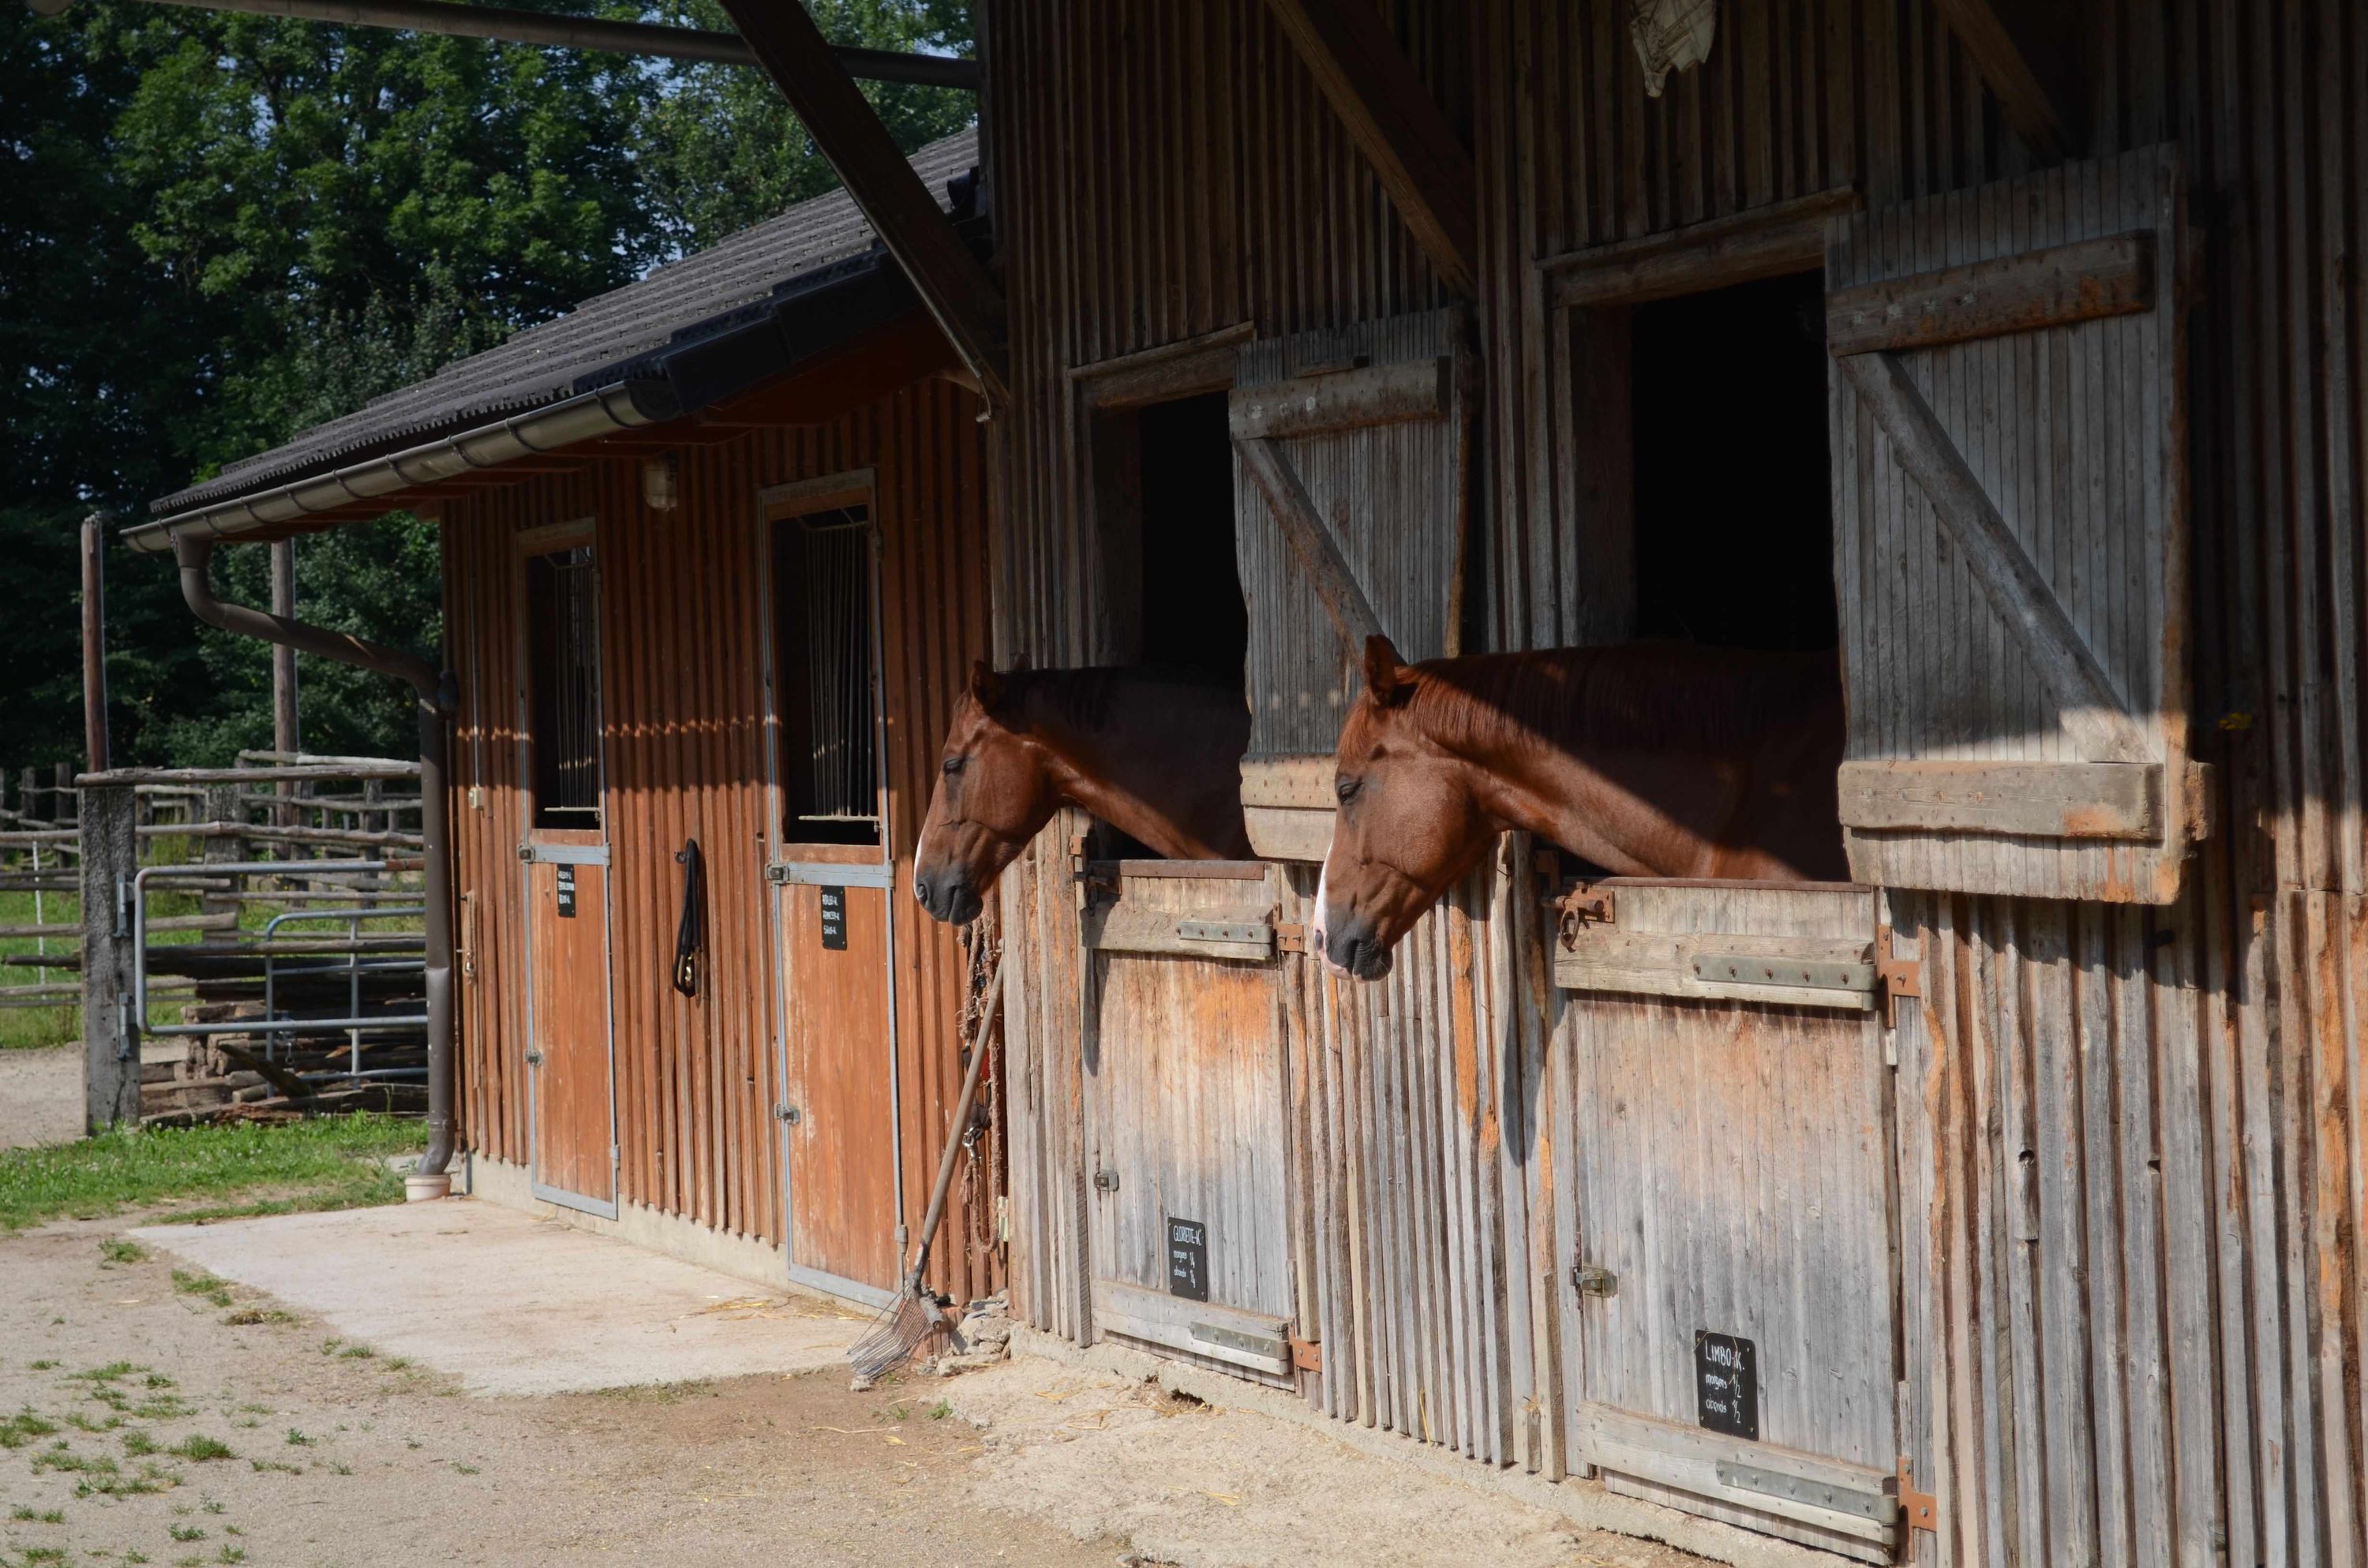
(2027, 52)
(951, 280)
(584, 32)
(1422, 164)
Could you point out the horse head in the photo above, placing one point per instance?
(1409, 822)
(994, 792)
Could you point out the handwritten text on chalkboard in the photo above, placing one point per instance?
(1726, 1383)
(1187, 1259)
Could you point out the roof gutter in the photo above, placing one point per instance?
(580, 418)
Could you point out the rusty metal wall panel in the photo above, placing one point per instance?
(683, 619)
(2270, 105)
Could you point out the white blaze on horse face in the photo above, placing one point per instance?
(1322, 904)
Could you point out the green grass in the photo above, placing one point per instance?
(33, 1029)
(322, 1161)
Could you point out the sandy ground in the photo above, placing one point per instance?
(40, 1091)
(41, 1095)
(356, 1447)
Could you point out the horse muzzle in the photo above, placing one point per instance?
(947, 896)
(1357, 952)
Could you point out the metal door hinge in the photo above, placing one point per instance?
(1899, 977)
(1918, 1510)
(1289, 938)
(789, 1113)
(1106, 1180)
(1306, 1354)
(1091, 884)
(534, 1058)
(526, 850)
(778, 873)
(1591, 1280)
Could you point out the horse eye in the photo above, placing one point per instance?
(1346, 789)
(954, 764)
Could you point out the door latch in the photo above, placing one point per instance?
(1106, 1180)
(1899, 977)
(1591, 1280)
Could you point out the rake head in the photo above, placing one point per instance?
(903, 1326)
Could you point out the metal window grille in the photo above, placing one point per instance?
(840, 737)
(563, 631)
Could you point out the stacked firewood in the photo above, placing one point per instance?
(242, 1073)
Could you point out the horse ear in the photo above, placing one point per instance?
(1387, 677)
(985, 685)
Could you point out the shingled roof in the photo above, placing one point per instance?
(604, 342)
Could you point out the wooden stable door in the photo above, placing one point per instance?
(1188, 1220)
(571, 1072)
(1733, 1281)
(839, 1107)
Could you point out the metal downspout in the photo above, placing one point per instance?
(433, 687)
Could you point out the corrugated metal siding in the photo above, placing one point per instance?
(2177, 1354)
(684, 713)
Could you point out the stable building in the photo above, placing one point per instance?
(714, 557)
(2015, 358)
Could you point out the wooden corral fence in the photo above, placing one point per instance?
(268, 915)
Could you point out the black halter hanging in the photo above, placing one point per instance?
(691, 933)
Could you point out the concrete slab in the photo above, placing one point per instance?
(511, 1304)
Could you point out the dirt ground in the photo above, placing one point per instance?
(41, 1095)
(339, 1455)
(194, 1420)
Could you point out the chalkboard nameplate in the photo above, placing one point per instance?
(566, 891)
(834, 919)
(1726, 1384)
(1187, 1259)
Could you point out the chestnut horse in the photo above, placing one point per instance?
(1659, 759)
(1156, 754)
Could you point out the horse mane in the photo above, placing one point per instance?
(1623, 696)
(1087, 698)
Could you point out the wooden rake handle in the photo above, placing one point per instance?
(961, 1122)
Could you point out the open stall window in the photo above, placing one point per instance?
(562, 631)
(825, 588)
(1160, 465)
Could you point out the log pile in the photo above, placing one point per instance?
(243, 1074)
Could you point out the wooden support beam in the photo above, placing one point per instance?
(2098, 719)
(1423, 165)
(949, 280)
(1311, 541)
(2027, 52)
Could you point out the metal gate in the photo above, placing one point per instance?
(1734, 1281)
(1185, 1104)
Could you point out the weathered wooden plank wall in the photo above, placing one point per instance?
(683, 620)
(2144, 1337)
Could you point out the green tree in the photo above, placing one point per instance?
(223, 229)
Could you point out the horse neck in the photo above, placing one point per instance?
(1144, 768)
(1544, 774)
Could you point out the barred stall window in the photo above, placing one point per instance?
(830, 775)
(562, 615)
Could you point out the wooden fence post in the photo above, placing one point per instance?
(69, 801)
(110, 1025)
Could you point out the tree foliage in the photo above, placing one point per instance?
(222, 229)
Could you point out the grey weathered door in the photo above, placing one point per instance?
(1188, 1218)
(1734, 1283)
(2009, 487)
(1350, 518)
